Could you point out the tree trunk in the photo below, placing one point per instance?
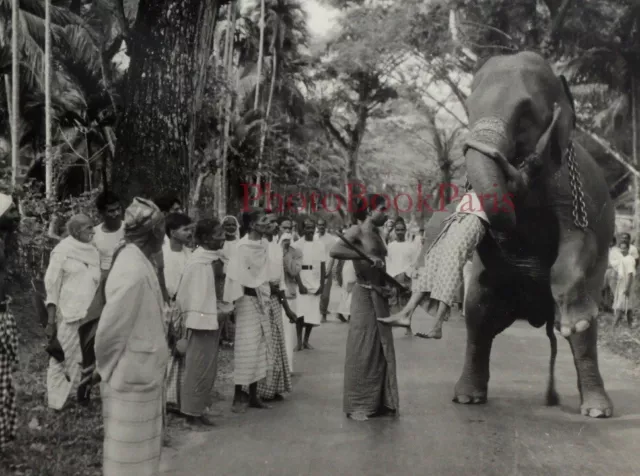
(636, 180)
(152, 152)
(15, 91)
(256, 101)
(47, 102)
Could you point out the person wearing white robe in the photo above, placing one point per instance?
(327, 241)
(401, 258)
(312, 278)
(292, 261)
(625, 271)
(71, 282)
(232, 236)
(131, 349)
(197, 303)
(247, 287)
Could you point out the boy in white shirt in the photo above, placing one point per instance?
(110, 232)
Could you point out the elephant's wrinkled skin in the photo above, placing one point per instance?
(536, 263)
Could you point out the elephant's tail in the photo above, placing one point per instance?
(552, 397)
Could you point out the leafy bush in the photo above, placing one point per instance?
(34, 243)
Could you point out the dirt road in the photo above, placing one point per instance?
(514, 434)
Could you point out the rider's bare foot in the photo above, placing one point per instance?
(308, 346)
(298, 348)
(397, 320)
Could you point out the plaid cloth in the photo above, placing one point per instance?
(8, 365)
(278, 379)
(175, 368)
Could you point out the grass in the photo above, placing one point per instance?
(68, 442)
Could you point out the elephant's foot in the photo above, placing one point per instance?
(596, 404)
(468, 394)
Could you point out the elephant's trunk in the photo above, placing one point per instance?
(488, 181)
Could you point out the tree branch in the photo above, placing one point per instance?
(609, 148)
(334, 132)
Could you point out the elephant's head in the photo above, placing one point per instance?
(520, 112)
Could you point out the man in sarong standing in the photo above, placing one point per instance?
(312, 277)
(131, 349)
(196, 301)
(278, 379)
(370, 382)
(247, 286)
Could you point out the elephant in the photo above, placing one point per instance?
(546, 252)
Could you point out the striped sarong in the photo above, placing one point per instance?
(251, 348)
(62, 377)
(132, 431)
(278, 379)
(370, 381)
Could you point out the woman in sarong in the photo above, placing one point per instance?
(131, 349)
(71, 282)
(247, 287)
(9, 218)
(370, 382)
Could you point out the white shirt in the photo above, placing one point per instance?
(401, 256)
(106, 244)
(313, 254)
(626, 265)
(328, 241)
(614, 256)
(174, 263)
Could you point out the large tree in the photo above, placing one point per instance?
(168, 46)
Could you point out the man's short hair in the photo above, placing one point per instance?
(165, 201)
(205, 228)
(175, 221)
(105, 199)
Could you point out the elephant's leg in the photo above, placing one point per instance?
(594, 401)
(576, 279)
(485, 316)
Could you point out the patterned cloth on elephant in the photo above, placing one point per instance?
(441, 274)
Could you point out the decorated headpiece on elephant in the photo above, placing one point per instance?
(546, 253)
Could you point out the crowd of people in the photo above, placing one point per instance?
(141, 303)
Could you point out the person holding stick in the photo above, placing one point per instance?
(370, 381)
